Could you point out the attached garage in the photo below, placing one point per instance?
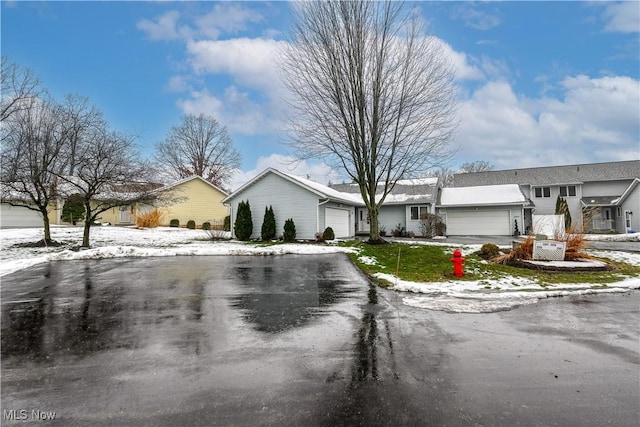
(338, 220)
(17, 217)
(478, 223)
(486, 210)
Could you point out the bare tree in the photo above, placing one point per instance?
(79, 120)
(372, 94)
(445, 174)
(20, 88)
(108, 174)
(199, 146)
(32, 153)
(476, 166)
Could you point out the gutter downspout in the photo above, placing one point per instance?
(318, 215)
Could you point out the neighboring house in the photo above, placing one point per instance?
(192, 198)
(403, 208)
(482, 210)
(602, 197)
(312, 206)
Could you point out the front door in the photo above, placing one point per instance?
(363, 220)
(125, 215)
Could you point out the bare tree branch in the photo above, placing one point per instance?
(372, 94)
(20, 87)
(199, 146)
(32, 151)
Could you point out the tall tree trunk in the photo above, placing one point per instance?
(85, 234)
(374, 226)
(45, 223)
(88, 219)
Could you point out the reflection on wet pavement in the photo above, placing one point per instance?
(80, 308)
(276, 298)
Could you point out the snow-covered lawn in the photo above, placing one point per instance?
(117, 242)
(455, 296)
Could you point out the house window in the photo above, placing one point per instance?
(567, 190)
(542, 192)
(419, 212)
(618, 212)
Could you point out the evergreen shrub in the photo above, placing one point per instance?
(328, 234)
(268, 224)
(174, 223)
(289, 230)
(73, 209)
(226, 225)
(206, 225)
(191, 224)
(244, 224)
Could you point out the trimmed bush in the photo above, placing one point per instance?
(488, 251)
(226, 225)
(191, 224)
(206, 225)
(243, 225)
(174, 223)
(268, 224)
(289, 230)
(328, 234)
(73, 209)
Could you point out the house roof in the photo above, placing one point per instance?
(418, 191)
(549, 175)
(190, 178)
(506, 194)
(322, 191)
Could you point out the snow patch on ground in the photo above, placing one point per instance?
(119, 242)
(454, 296)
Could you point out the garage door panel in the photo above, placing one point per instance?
(478, 223)
(338, 220)
(16, 216)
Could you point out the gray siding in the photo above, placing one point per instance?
(390, 216)
(288, 201)
(610, 188)
(631, 203)
(547, 205)
(414, 226)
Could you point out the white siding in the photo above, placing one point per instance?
(16, 216)
(288, 201)
(331, 205)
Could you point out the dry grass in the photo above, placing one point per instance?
(573, 238)
(150, 219)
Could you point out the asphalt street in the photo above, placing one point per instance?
(300, 340)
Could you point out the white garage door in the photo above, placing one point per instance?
(337, 219)
(478, 223)
(13, 217)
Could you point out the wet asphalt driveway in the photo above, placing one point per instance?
(299, 340)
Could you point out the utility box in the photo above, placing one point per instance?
(549, 250)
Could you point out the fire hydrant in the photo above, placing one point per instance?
(457, 261)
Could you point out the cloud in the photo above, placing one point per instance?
(318, 172)
(251, 62)
(462, 63)
(474, 18)
(235, 109)
(226, 18)
(165, 27)
(595, 119)
(623, 17)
